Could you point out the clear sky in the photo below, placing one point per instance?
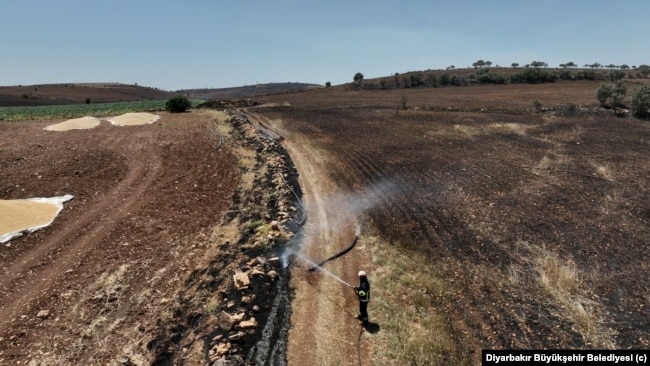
(184, 44)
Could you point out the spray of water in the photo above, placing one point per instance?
(321, 269)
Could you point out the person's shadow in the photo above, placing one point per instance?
(371, 327)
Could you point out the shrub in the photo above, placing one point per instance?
(644, 70)
(641, 102)
(534, 76)
(444, 79)
(587, 74)
(566, 75)
(178, 104)
(328, 84)
(620, 89)
(616, 75)
(603, 93)
(612, 92)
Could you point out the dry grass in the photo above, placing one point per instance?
(564, 284)
(412, 332)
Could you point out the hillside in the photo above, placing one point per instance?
(76, 93)
(488, 216)
(51, 94)
(248, 91)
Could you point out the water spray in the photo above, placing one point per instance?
(314, 265)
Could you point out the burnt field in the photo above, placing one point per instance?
(535, 221)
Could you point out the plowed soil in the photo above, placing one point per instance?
(146, 201)
(495, 194)
(491, 191)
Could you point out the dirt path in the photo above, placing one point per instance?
(323, 328)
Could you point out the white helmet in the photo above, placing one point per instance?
(362, 273)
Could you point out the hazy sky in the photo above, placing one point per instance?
(179, 44)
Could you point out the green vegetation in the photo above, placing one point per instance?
(358, 77)
(644, 70)
(641, 102)
(613, 93)
(534, 75)
(77, 110)
(178, 104)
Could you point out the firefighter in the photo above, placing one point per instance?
(363, 292)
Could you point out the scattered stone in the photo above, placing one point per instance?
(273, 275)
(257, 271)
(275, 225)
(225, 321)
(248, 324)
(241, 280)
(256, 308)
(237, 318)
(245, 299)
(43, 314)
(237, 336)
(218, 351)
(262, 261)
(274, 261)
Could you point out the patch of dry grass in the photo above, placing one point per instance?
(412, 332)
(561, 281)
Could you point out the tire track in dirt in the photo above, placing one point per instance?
(323, 332)
(37, 270)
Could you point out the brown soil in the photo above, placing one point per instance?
(136, 268)
(323, 328)
(473, 178)
(480, 183)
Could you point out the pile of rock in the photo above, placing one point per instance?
(237, 321)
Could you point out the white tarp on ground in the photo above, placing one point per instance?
(133, 119)
(82, 123)
(18, 217)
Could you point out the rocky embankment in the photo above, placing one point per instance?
(244, 274)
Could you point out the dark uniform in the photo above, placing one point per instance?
(363, 292)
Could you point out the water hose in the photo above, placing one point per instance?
(349, 248)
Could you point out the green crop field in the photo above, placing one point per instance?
(80, 110)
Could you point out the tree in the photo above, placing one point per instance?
(328, 84)
(603, 93)
(611, 92)
(514, 65)
(479, 64)
(358, 77)
(178, 104)
(620, 89)
(644, 70)
(571, 64)
(641, 102)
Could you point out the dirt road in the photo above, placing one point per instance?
(323, 328)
